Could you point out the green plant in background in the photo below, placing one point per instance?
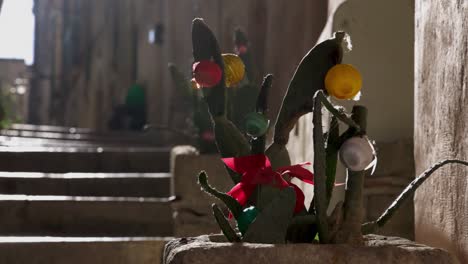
(266, 206)
(240, 96)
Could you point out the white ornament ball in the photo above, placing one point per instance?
(356, 153)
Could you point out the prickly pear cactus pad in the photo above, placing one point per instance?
(264, 205)
(204, 92)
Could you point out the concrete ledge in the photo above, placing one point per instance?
(377, 250)
(87, 184)
(85, 216)
(78, 250)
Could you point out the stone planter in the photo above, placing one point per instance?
(377, 250)
(193, 213)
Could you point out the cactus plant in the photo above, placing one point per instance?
(267, 207)
(239, 101)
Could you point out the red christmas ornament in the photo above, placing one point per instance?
(207, 73)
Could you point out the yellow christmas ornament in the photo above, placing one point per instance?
(343, 81)
(234, 69)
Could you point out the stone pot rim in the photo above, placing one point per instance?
(213, 248)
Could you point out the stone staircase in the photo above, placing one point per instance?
(44, 215)
(27, 158)
(83, 200)
(156, 185)
(79, 250)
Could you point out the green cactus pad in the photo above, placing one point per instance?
(271, 224)
(259, 143)
(302, 229)
(205, 47)
(223, 223)
(266, 194)
(231, 142)
(278, 155)
(307, 80)
(231, 203)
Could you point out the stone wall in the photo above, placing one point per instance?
(88, 53)
(441, 115)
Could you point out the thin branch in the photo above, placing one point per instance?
(341, 115)
(407, 192)
(353, 210)
(320, 177)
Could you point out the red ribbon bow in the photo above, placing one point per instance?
(256, 169)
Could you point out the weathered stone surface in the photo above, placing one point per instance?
(441, 130)
(87, 184)
(78, 250)
(378, 250)
(84, 216)
(46, 135)
(84, 159)
(193, 206)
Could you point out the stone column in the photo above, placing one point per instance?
(441, 115)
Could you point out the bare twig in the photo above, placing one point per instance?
(372, 226)
(320, 177)
(353, 211)
(341, 115)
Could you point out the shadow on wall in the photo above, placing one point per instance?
(429, 235)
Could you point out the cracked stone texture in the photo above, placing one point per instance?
(441, 115)
(377, 250)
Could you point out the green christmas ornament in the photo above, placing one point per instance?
(256, 124)
(246, 218)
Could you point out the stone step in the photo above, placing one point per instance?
(79, 250)
(46, 128)
(37, 134)
(87, 184)
(23, 215)
(84, 159)
(112, 137)
(25, 142)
